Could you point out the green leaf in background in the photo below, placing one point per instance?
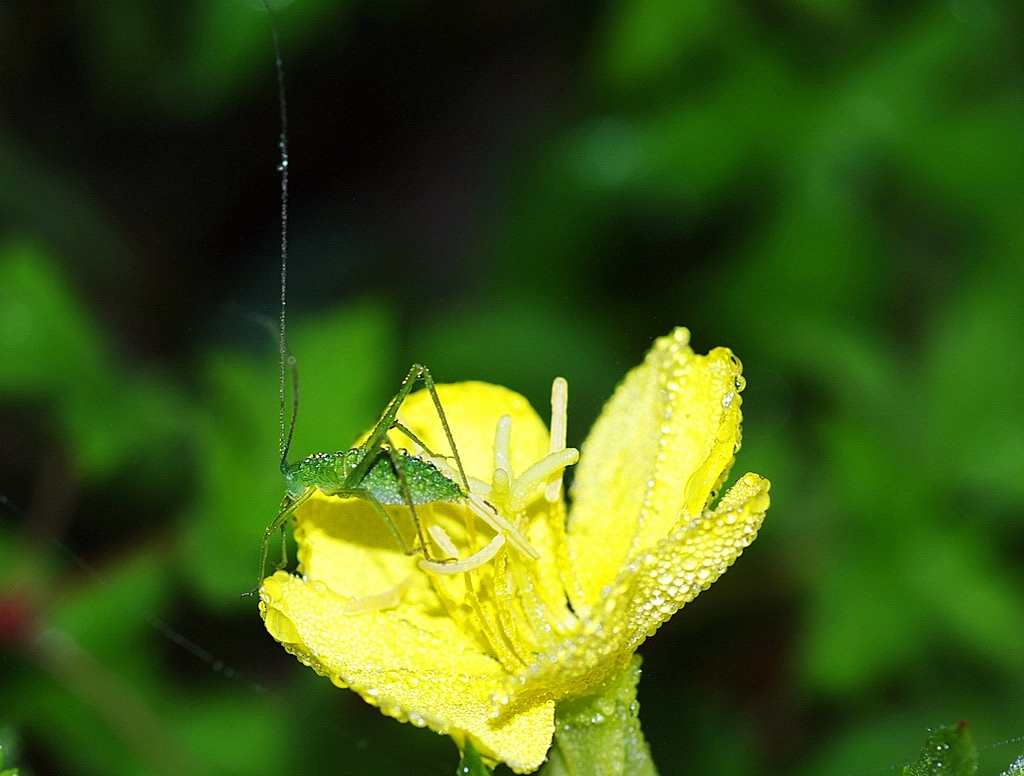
(52, 352)
(195, 63)
(47, 339)
(6, 771)
(948, 751)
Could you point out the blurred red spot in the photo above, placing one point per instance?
(17, 621)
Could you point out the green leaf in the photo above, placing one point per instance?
(48, 342)
(53, 352)
(599, 734)
(948, 751)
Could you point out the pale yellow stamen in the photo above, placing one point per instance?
(443, 541)
(479, 507)
(481, 488)
(474, 561)
(501, 485)
(490, 515)
(559, 431)
(550, 465)
(502, 441)
(389, 599)
(501, 480)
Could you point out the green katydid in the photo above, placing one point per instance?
(383, 475)
(374, 471)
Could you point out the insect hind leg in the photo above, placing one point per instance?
(428, 381)
(389, 521)
(378, 437)
(403, 485)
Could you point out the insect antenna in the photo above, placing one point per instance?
(287, 430)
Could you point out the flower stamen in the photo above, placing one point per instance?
(550, 466)
(443, 541)
(474, 561)
(481, 508)
(502, 442)
(490, 515)
(559, 431)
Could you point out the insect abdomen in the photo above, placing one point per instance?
(425, 481)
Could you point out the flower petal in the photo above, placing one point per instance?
(424, 673)
(649, 591)
(688, 561)
(661, 448)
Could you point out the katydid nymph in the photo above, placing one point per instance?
(375, 470)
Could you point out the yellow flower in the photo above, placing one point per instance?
(531, 605)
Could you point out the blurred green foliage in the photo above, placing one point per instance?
(6, 771)
(511, 191)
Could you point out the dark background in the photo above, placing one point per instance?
(511, 191)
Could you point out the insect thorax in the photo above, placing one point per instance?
(395, 477)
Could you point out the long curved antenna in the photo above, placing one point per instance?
(287, 359)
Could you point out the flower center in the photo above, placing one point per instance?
(509, 592)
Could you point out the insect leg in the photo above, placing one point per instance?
(367, 495)
(403, 485)
(399, 426)
(378, 437)
(280, 522)
(428, 380)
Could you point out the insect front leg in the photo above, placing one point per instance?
(280, 522)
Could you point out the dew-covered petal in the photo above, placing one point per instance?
(415, 666)
(647, 592)
(661, 447)
(658, 583)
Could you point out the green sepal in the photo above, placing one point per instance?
(948, 751)
(599, 734)
(470, 763)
